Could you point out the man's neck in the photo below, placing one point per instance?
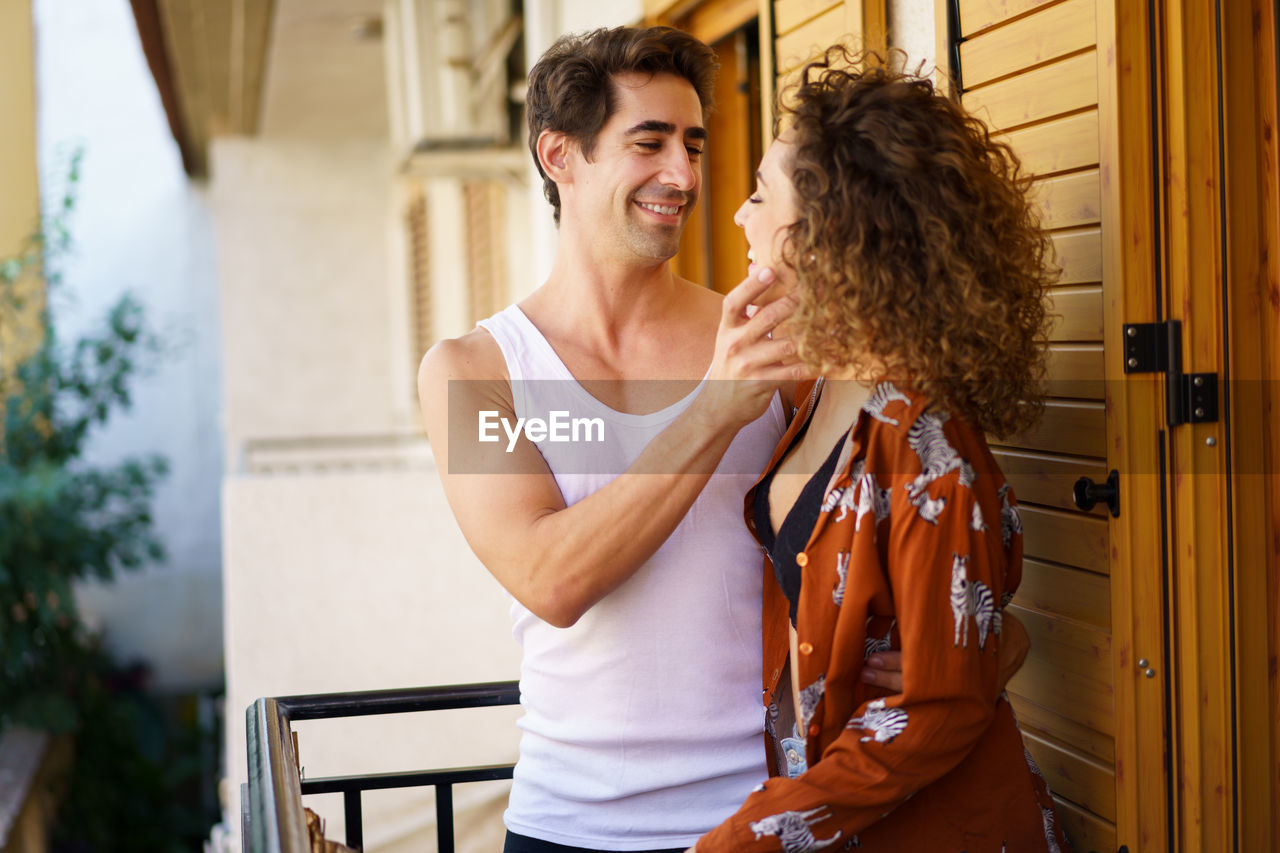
(604, 300)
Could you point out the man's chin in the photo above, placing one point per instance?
(658, 249)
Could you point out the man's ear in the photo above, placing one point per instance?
(554, 148)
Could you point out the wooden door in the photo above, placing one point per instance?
(1045, 76)
(713, 250)
(1251, 115)
(1150, 128)
(1215, 87)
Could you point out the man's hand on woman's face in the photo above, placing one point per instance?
(749, 364)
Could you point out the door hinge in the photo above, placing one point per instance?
(1190, 398)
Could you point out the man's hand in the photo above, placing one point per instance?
(884, 669)
(1014, 645)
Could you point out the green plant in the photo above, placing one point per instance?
(61, 519)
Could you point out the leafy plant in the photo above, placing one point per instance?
(61, 519)
(139, 773)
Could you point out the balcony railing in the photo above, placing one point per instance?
(271, 806)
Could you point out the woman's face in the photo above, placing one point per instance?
(765, 215)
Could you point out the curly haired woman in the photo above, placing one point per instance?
(904, 234)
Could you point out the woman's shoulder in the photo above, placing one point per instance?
(909, 436)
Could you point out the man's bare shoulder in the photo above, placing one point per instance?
(475, 355)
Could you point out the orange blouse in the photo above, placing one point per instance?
(918, 547)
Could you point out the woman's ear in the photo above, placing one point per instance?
(553, 153)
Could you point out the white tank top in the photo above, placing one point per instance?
(642, 722)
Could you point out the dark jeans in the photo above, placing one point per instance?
(525, 844)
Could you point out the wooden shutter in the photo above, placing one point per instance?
(485, 209)
(805, 28)
(1030, 70)
(416, 225)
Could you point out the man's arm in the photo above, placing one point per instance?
(558, 561)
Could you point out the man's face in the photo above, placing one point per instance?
(637, 191)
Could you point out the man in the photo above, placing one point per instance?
(637, 588)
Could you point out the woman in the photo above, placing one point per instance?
(906, 237)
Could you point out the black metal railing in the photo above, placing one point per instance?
(271, 810)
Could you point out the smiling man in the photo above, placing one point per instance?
(637, 590)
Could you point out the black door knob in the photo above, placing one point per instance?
(1086, 493)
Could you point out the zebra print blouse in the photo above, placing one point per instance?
(917, 547)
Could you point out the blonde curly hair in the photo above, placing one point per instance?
(918, 255)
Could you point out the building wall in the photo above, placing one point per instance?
(20, 203)
(545, 21)
(344, 569)
(911, 27)
(303, 244)
(20, 206)
(140, 226)
(360, 580)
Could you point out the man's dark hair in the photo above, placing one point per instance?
(571, 88)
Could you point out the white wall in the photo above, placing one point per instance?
(545, 21)
(911, 27)
(344, 569)
(360, 580)
(303, 231)
(141, 226)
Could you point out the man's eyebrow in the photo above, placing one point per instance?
(652, 126)
(665, 127)
(760, 179)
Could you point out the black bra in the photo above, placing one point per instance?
(793, 534)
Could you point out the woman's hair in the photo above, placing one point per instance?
(571, 87)
(917, 251)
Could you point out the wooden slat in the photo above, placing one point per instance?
(1079, 254)
(1035, 718)
(1068, 670)
(257, 31)
(1079, 313)
(1075, 370)
(1078, 428)
(789, 14)
(1087, 832)
(1131, 243)
(217, 38)
(808, 40)
(1072, 538)
(1061, 591)
(977, 15)
(710, 22)
(1250, 97)
(188, 51)
(1072, 775)
(1058, 145)
(1039, 478)
(1061, 87)
(1049, 34)
(1067, 201)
